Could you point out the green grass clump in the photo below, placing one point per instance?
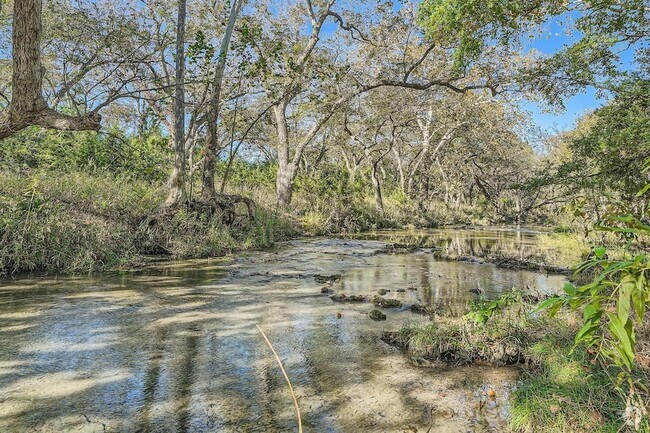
(69, 221)
(562, 249)
(562, 389)
(503, 338)
(567, 393)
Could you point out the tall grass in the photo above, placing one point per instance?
(74, 222)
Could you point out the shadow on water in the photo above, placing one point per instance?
(174, 347)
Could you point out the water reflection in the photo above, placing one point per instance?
(175, 348)
(480, 242)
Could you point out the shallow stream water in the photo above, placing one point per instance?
(174, 347)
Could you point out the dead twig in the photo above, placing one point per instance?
(286, 377)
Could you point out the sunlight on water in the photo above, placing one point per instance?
(174, 347)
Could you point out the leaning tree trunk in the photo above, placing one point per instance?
(177, 179)
(27, 106)
(212, 138)
(286, 169)
(400, 169)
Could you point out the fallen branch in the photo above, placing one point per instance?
(293, 395)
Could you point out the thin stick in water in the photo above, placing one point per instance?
(286, 377)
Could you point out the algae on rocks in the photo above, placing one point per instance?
(322, 279)
(344, 298)
(386, 303)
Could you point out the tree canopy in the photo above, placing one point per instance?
(600, 30)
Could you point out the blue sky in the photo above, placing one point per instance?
(575, 107)
(554, 37)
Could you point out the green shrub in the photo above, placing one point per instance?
(145, 156)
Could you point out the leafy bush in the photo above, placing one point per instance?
(614, 305)
(146, 156)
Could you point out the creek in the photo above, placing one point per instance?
(173, 347)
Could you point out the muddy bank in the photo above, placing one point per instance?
(452, 351)
(529, 264)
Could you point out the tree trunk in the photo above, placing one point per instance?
(377, 188)
(212, 138)
(352, 165)
(177, 179)
(27, 78)
(286, 170)
(284, 184)
(400, 170)
(27, 106)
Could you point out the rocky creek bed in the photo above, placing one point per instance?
(174, 347)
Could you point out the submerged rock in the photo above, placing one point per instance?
(383, 291)
(470, 259)
(401, 290)
(326, 278)
(386, 303)
(419, 309)
(343, 298)
(327, 290)
(377, 315)
(398, 249)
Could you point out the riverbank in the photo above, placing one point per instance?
(56, 221)
(76, 222)
(561, 388)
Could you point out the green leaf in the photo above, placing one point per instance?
(629, 328)
(638, 301)
(624, 294)
(600, 252)
(570, 289)
(625, 341)
(550, 302)
(591, 310)
(643, 190)
(586, 332)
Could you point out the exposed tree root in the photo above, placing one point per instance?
(226, 204)
(222, 206)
